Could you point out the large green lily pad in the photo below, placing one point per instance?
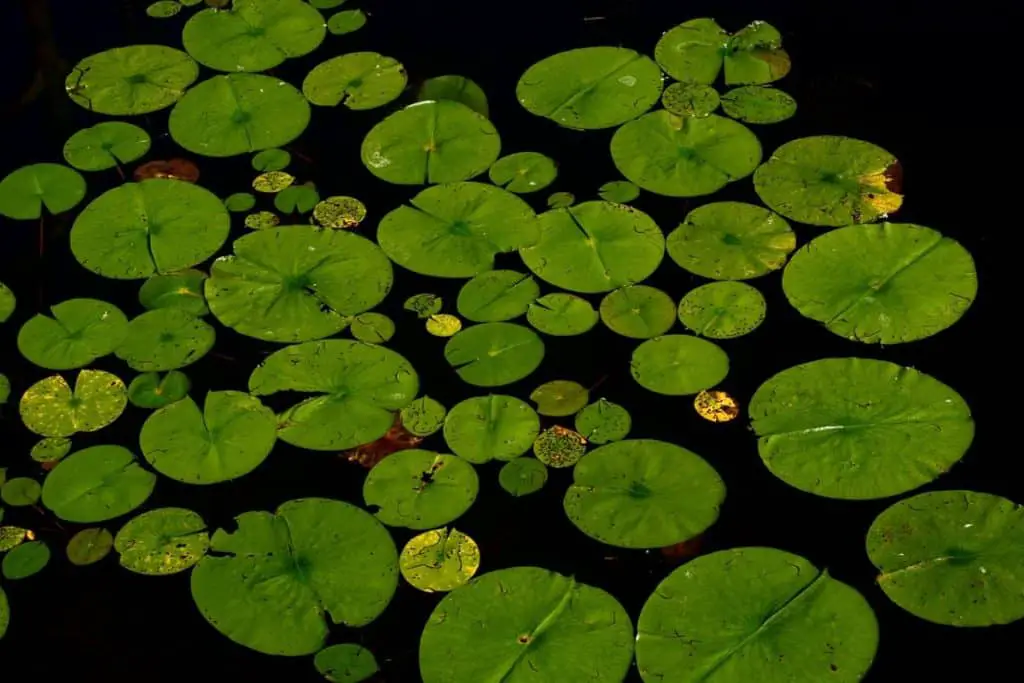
(358, 80)
(497, 295)
(162, 541)
(274, 582)
(493, 354)
(360, 386)
(857, 428)
(754, 614)
(106, 145)
(97, 484)
(722, 310)
(696, 51)
(165, 339)
(562, 315)
(489, 427)
(678, 365)
(887, 283)
(24, 193)
(80, 331)
(420, 489)
(137, 79)
(50, 408)
(591, 87)
(641, 493)
(638, 311)
(297, 283)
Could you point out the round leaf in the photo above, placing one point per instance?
(758, 104)
(523, 172)
(439, 560)
(49, 408)
(497, 295)
(80, 331)
(240, 201)
(163, 9)
(89, 546)
(346, 663)
(561, 315)
(444, 325)
(340, 212)
(690, 99)
(296, 199)
(97, 484)
(523, 476)
(678, 365)
(25, 560)
(455, 88)
(106, 145)
(494, 426)
(621, 191)
(50, 449)
(603, 422)
(183, 289)
(162, 541)
(269, 160)
(346, 21)
(420, 489)
(24, 193)
(150, 390)
(272, 182)
(638, 311)
(20, 491)
(494, 354)
(372, 328)
(423, 417)
(137, 79)
(359, 80)
(560, 398)
(165, 339)
(697, 50)
(561, 200)
(559, 447)
(722, 310)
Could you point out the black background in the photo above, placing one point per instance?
(923, 82)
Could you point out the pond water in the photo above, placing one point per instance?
(880, 81)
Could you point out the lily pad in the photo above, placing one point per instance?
(443, 325)
(952, 557)
(457, 89)
(238, 113)
(358, 80)
(106, 145)
(758, 104)
(561, 200)
(591, 87)
(346, 663)
(830, 181)
(297, 283)
(165, 339)
(489, 427)
(24, 193)
(559, 447)
(731, 241)
(595, 247)
(638, 311)
(182, 289)
(560, 398)
(20, 491)
(690, 99)
(684, 157)
(431, 142)
(151, 390)
(240, 202)
(678, 365)
(855, 428)
(497, 295)
(562, 315)
(522, 476)
(424, 305)
(340, 212)
(603, 422)
(89, 546)
(372, 328)
(755, 614)
(5, 388)
(511, 624)
(423, 417)
(156, 226)
(620, 191)
(888, 283)
(346, 21)
(297, 199)
(420, 489)
(25, 560)
(456, 230)
(50, 408)
(360, 386)
(439, 560)
(722, 310)
(261, 220)
(97, 484)
(641, 493)
(272, 182)
(493, 354)
(273, 159)
(696, 51)
(8, 302)
(716, 406)
(50, 449)
(523, 172)
(80, 331)
(257, 591)
(163, 9)
(162, 541)
(126, 81)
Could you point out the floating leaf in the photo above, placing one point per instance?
(722, 310)
(523, 172)
(638, 311)
(560, 398)
(697, 50)
(163, 9)
(25, 560)
(262, 220)
(716, 406)
(5, 613)
(97, 484)
(80, 331)
(497, 295)
(5, 388)
(372, 328)
(690, 99)
(358, 80)
(559, 447)
(162, 541)
(346, 21)
(12, 536)
(326, 4)
(424, 305)
(456, 88)
(296, 199)
(106, 145)
(273, 159)
(493, 354)
(240, 202)
(489, 427)
(439, 560)
(855, 428)
(423, 417)
(165, 339)
(346, 663)
(49, 408)
(562, 315)
(620, 191)
(50, 449)
(444, 325)
(151, 390)
(522, 476)
(182, 289)
(420, 489)
(89, 546)
(758, 104)
(20, 491)
(24, 193)
(137, 79)
(561, 200)
(603, 422)
(339, 212)
(272, 181)
(7, 302)
(678, 365)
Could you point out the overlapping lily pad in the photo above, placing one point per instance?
(50, 408)
(497, 295)
(165, 339)
(182, 289)
(494, 354)
(697, 51)
(456, 88)
(106, 145)
(97, 484)
(137, 79)
(358, 80)
(678, 365)
(24, 193)
(496, 427)
(420, 489)
(79, 332)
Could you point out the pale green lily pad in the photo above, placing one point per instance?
(696, 51)
(620, 191)
(126, 81)
(678, 365)
(261, 220)
(638, 311)
(269, 160)
(106, 145)
(439, 560)
(24, 193)
(420, 489)
(497, 427)
(372, 328)
(684, 157)
(595, 247)
(163, 9)
(346, 21)
(522, 476)
(50, 449)
(296, 199)
(431, 142)
(182, 289)
(759, 104)
(561, 200)
(257, 591)
(346, 663)
(238, 113)
(497, 295)
(361, 386)
(558, 447)
(494, 354)
(150, 390)
(358, 80)
(12, 536)
(20, 491)
(690, 99)
(97, 484)
(423, 417)
(162, 541)
(89, 546)
(455, 88)
(755, 614)
(888, 283)
(272, 182)
(156, 226)
(722, 310)
(50, 408)
(523, 172)
(641, 493)
(165, 339)
(25, 560)
(858, 429)
(79, 332)
(8, 302)
(424, 305)
(562, 315)
(240, 202)
(560, 398)
(591, 87)
(603, 422)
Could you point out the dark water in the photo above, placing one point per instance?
(910, 81)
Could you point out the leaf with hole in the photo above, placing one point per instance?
(162, 541)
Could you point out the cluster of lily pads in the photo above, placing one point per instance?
(308, 272)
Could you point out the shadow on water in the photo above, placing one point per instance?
(878, 75)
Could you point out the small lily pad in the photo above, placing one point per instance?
(346, 663)
(716, 406)
(678, 365)
(296, 199)
(261, 220)
(89, 546)
(346, 21)
(372, 328)
(340, 212)
(523, 172)
(240, 202)
(522, 476)
(424, 305)
(561, 200)
(559, 447)
(638, 311)
(495, 426)
(497, 295)
(620, 191)
(272, 182)
(456, 88)
(165, 339)
(79, 332)
(420, 489)
(697, 51)
(163, 9)
(439, 560)
(50, 449)
(24, 193)
(444, 325)
(162, 541)
(690, 99)
(97, 484)
(494, 354)
(758, 104)
(722, 310)
(560, 398)
(106, 145)
(152, 390)
(182, 289)
(20, 491)
(423, 417)
(358, 80)
(603, 422)
(562, 315)
(50, 408)
(273, 159)
(25, 560)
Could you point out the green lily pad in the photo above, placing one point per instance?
(5, 613)
(595, 247)
(559, 447)
(151, 390)
(690, 99)
(253, 35)
(24, 193)
(257, 590)
(591, 87)
(360, 386)
(511, 624)
(163, 9)
(50, 408)
(560, 398)
(269, 160)
(106, 145)
(493, 354)
(755, 614)
(423, 417)
(638, 311)
(887, 283)
(182, 289)
(26, 560)
(731, 241)
(678, 365)
(420, 489)
(497, 295)
(89, 546)
(358, 80)
(489, 427)
(12, 536)
(619, 191)
(156, 226)
(455, 88)
(326, 4)
(372, 328)
(855, 428)
(50, 449)
(229, 438)
(162, 541)
(8, 302)
(346, 663)
(424, 305)
(759, 104)
(439, 561)
(126, 81)
(561, 200)
(165, 339)
(603, 422)
(97, 484)
(522, 476)
(262, 220)
(456, 230)
(697, 50)
(80, 331)
(641, 493)
(239, 202)
(722, 310)
(238, 113)
(346, 21)
(296, 199)
(431, 142)
(5, 388)
(297, 283)
(20, 491)
(830, 181)
(952, 557)
(684, 157)
(523, 172)
(562, 315)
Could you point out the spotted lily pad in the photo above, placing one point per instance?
(493, 354)
(162, 541)
(182, 289)
(137, 79)
(79, 332)
(690, 99)
(523, 172)
(678, 365)
(24, 193)
(489, 427)
(97, 484)
(439, 560)
(50, 408)
(358, 80)
(340, 212)
(722, 310)
(165, 339)
(559, 447)
(106, 145)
